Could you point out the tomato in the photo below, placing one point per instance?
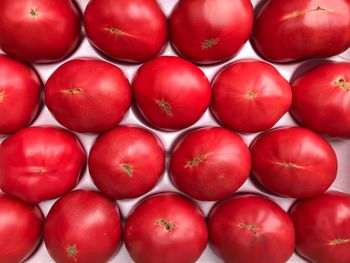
(39, 30)
(20, 91)
(20, 229)
(165, 228)
(250, 96)
(40, 163)
(128, 30)
(322, 226)
(210, 163)
(321, 100)
(88, 95)
(171, 93)
(83, 227)
(294, 162)
(251, 228)
(291, 30)
(210, 31)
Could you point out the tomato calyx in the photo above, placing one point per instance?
(165, 106)
(252, 228)
(71, 251)
(127, 168)
(342, 83)
(2, 96)
(166, 224)
(338, 241)
(33, 12)
(309, 11)
(208, 43)
(73, 91)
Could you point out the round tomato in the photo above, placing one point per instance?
(128, 30)
(39, 30)
(322, 227)
(88, 95)
(20, 229)
(171, 93)
(83, 227)
(294, 162)
(165, 228)
(250, 96)
(210, 31)
(40, 163)
(210, 163)
(250, 228)
(321, 99)
(20, 91)
(291, 30)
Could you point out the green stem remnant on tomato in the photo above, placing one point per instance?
(33, 12)
(338, 241)
(341, 83)
(2, 95)
(289, 165)
(210, 43)
(73, 91)
(127, 168)
(310, 11)
(72, 251)
(252, 228)
(166, 224)
(165, 106)
(250, 94)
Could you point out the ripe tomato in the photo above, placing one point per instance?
(291, 30)
(294, 162)
(171, 93)
(321, 99)
(250, 228)
(88, 95)
(39, 30)
(20, 90)
(20, 229)
(83, 227)
(210, 163)
(210, 31)
(322, 226)
(128, 30)
(165, 228)
(40, 163)
(250, 96)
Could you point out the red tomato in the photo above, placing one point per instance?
(210, 31)
(322, 226)
(210, 163)
(294, 162)
(39, 30)
(321, 99)
(165, 228)
(250, 96)
(291, 30)
(40, 163)
(250, 228)
(20, 91)
(83, 227)
(88, 95)
(171, 92)
(20, 229)
(128, 30)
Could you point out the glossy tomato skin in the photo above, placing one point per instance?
(210, 31)
(210, 163)
(83, 227)
(20, 91)
(128, 30)
(292, 30)
(251, 228)
(39, 30)
(250, 96)
(165, 228)
(40, 163)
(294, 162)
(322, 226)
(171, 93)
(88, 95)
(324, 89)
(20, 229)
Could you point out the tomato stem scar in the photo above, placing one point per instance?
(311, 11)
(33, 12)
(341, 83)
(252, 228)
(166, 224)
(2, 95)
(73, 91)
(289, 165)
(208, 43)
(127, 168)
(165, 106)
(338, 241)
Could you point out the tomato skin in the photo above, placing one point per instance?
(147, 241)
(250, 96)
(83, 227)
(210, 31)
(291, 30)
(233, 241)
(322, 226)
(39, 30)
(203, 162)
(20, 229)
(81, 89)
(171, 93)
(40, 163)
(140, 28)
(294, 162)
